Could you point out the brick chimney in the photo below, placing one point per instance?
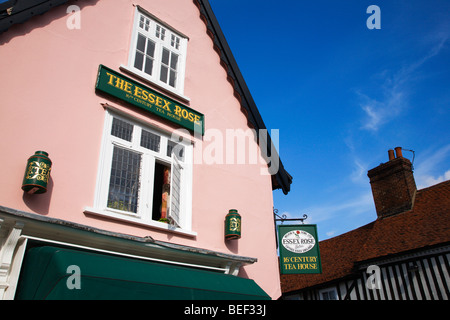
(393, 185)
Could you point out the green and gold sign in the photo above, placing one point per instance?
(37, 173)
(141, 96)
(299, 249)
(233, 225)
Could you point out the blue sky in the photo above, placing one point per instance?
(342, 95)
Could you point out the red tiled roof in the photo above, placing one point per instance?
(426, 224)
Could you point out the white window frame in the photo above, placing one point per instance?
(159, 45)
(148, 159)
(327, 292)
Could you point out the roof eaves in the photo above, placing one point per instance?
(283, 179)
(18, 11)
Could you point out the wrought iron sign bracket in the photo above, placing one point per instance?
(284, 218)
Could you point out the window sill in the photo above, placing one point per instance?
(135, 220)
(165, 88)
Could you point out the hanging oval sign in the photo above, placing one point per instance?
(298, 241)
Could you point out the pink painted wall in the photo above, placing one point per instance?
(48, 102)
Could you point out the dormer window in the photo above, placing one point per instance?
(158, 52)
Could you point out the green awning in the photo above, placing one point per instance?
(45, 275)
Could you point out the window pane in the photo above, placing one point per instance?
(332, 295)
(122, 129)
(150, 48)
(165, 56)
(176, 148)
(160, 32)
(174, 61)
(138, 60)
(161, 191)
(124, 184)
(150, 141)
(173, 78)
(163, 76)
(140, 43)
(175, 42)
(175, 194)
(144, 23)
(148, 66)
(329, 295)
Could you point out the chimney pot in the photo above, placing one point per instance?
(398, 151)
(391, 154)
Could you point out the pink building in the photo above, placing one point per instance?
(152, 136)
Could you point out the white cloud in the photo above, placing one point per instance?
(430, 169)
(344, 209)
(374, 117)
(330, 233)
(394, 85)
(381, 112)
(428, 180)
(359, 174)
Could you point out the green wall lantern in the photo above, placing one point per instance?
(37, 173)
(232, 225)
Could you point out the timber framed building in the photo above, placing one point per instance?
(403, 255)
